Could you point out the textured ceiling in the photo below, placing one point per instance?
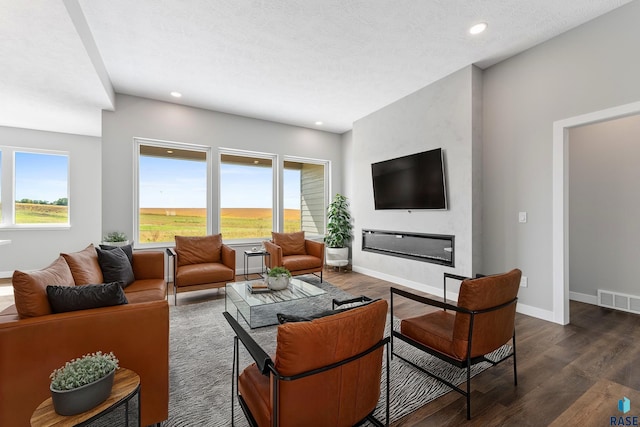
(288, 61)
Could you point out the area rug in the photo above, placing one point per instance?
(201, 354)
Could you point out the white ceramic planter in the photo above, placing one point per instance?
(278, 283)
(125, 243)
(337, 257)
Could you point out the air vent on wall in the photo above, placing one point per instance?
(619, 301)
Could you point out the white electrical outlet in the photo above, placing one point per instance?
(524, 282)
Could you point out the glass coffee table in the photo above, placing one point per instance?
(260, 309)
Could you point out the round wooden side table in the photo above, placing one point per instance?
(126, 384)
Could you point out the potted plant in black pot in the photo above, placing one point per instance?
(83, 383)
(339, 229)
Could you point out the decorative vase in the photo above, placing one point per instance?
(278, 283)
(337, 257)
(81, 399)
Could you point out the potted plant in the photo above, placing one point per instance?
(278, 278)
(115, 238)
(339, 229)
(83, 383)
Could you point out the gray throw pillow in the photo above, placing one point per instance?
(83, 297)
(115, 266)
(127, 249)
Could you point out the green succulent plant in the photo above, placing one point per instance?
(115, 236)
(277, 271)
(83, 370)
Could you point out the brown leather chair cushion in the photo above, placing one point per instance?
(339, 397)
(301, 262)
(435, 330)
(255, 388)
(197, 274)
(84, 266)
(30, 289)
(448, 332)
(146, 290)
(291, 243)
(198, 250)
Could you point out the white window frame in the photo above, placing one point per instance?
(327, 182)
(8, 189)
(137, 142)
(275, 167)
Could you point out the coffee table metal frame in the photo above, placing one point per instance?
(260, 309)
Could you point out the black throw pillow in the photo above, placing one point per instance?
(83, 297)
(115, 266)
(291, 318)
(127, 249)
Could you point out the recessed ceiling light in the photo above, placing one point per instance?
(176, 94)
(170, 151)
(319, 123)
(255, 162)
(478, 28)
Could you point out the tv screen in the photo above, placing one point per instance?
(410, 182)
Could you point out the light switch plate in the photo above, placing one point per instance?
(522, 217)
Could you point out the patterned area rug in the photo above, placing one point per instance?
(201, 354)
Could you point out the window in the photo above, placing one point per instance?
(246, 196)
(40, 194)
(172, 196)
(305, 196)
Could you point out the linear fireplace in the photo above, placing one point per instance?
(435, 248)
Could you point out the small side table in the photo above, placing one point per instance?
(126, 384)
(248, 254)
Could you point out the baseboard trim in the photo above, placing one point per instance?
(587, 299)
(6, 274)
(521, 308)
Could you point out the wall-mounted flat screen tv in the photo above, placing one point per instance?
(410, 182)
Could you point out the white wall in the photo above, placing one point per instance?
(32, 249)
(604, 207)
(145, 118)
(439, 115)
(590, 68)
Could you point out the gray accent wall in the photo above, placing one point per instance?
(440, 115)
(35, 248)
(590, 68)
(604, 207)
(136, 117)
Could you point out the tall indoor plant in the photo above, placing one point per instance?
(339, 232)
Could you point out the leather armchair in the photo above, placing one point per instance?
(463, 335)
(326, 372)
(201, 263)
(295, 253)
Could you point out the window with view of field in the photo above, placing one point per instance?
(246, 196)
(304, 189)
(41, 188)
(172, 193)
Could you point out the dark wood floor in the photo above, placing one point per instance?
(567, 375)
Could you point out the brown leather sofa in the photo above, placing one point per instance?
(31, 347)
(295, 253)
